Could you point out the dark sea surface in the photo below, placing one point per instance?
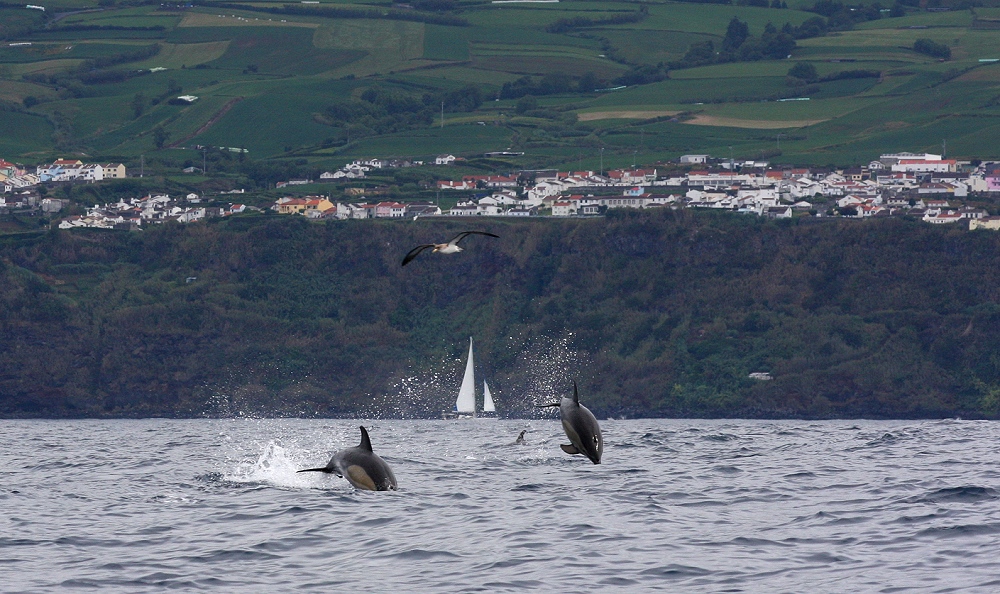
(676, 506)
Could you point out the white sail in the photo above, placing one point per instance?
(466, 402)
(487, 399)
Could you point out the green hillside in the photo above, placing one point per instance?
(96, 79)
(656, 313)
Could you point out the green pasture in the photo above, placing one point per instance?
(541, 65)
(456, 76)
(445, 43)
(777, 111)
(675, 92)
(773, 68)
(38, 52)
(46, 67)
(966, 44)
(584, 7)
(123, 34)
(98, 115)
(537, 17)
(16, 91)
(931, 20)
(379, 46)
(195, 116)
(134, 135)
(16, 19)
(177, 55)
(968, 136)
(885, 38)
(668, 143)
(457, 140)
(23, 134)
(514, 35)
(653, 47)
(252, 124)
(123, 19)
(282, 51)
(223, 33)
(157, 84)
(712, 19)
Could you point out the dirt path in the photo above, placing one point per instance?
(706, 120)
(211, 121)
(623, 115)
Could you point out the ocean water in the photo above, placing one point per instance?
(676, 506)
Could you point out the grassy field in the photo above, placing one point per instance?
(264, 81)
(23, 134)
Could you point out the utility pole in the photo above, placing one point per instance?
(602, 160)
(442, 114)
(204, 162)
(944, 148)
(142, 165)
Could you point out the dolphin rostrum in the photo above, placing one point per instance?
(360, 466)
(580, 426)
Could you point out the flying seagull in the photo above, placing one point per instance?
(451, 247)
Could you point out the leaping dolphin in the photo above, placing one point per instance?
(580, 426)
(360, 466)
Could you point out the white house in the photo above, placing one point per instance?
(565, 208)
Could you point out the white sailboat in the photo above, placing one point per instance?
(488, 406)
(465, 404)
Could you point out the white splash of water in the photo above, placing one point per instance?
(275, 467)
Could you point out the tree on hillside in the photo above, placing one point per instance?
(932, 48)
(803, 71)
(138, 104)
(160, 136)
(699, 53)
(736, 33)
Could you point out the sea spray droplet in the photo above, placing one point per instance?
(273, 466)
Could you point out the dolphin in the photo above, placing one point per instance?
(520, 438)
(360, 466)
(580, 426)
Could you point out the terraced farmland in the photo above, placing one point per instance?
(557, 81)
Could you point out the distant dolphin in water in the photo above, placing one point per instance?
(580, 426)
(520, 438)
(360, 466)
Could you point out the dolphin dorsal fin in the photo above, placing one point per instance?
(366, 442)
(576, 395)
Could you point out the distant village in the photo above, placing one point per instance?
(923, 185)
(927, 186)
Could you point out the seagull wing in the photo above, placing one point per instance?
(463, 235)
(415, 252)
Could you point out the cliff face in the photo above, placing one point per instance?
(654, 314)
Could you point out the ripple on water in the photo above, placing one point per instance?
(969, 493)
(676, 505)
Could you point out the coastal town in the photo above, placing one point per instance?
(926, 186)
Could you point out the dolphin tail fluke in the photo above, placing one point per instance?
(569, 448)
(324, 469)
